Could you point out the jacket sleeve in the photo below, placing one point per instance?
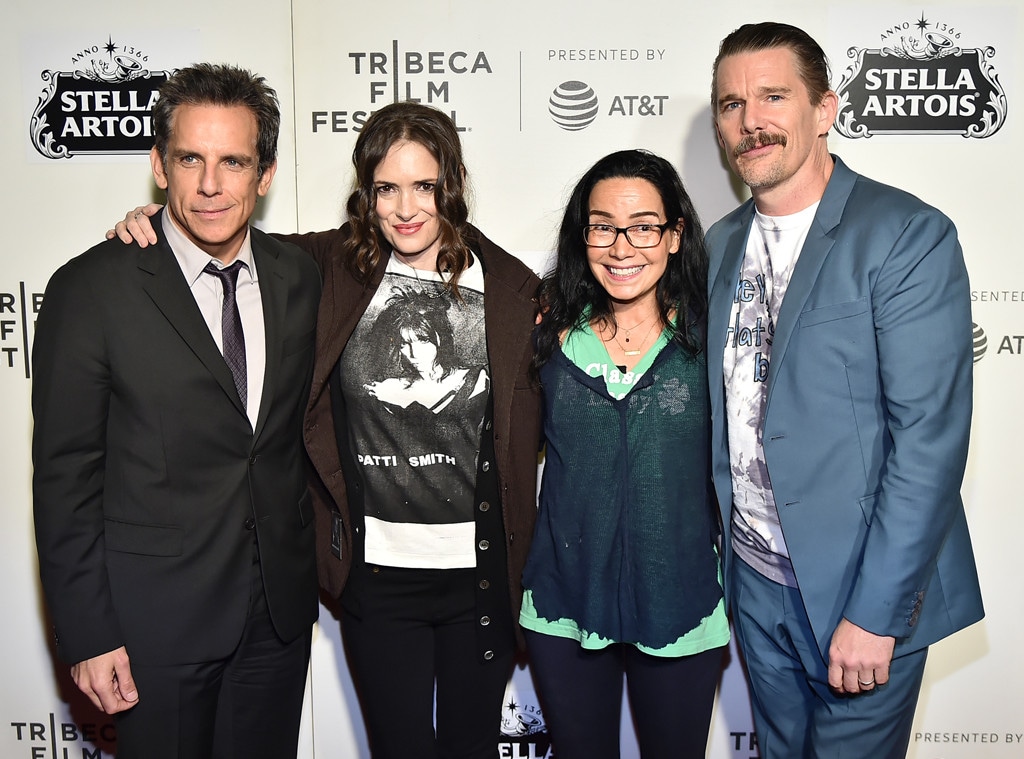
(320, 245)
(70, 399)
(922, 320)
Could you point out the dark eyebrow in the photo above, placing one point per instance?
(773, 90)
(634, 215)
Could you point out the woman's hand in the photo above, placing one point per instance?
(136, 226)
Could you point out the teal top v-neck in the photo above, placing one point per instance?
(624, 548)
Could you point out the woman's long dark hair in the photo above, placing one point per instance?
(570, 293)
(429, 127)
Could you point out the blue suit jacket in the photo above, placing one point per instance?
(868, 412)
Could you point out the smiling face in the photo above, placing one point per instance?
(774, 137)
(629, 275)
(406, 211)
(211, 175)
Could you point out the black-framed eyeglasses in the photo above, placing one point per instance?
(637, 235)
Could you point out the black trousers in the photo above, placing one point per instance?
(247, 706)
(581, 698)
(414, 637)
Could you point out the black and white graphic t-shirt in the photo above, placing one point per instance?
(773, 247)
(415, 380)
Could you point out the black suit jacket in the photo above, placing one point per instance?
(149, 480)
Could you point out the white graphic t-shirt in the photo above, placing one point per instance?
(773, 247)
(415, 381)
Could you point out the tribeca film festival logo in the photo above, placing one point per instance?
(51, 739)
(921, 81)
(574, 105)
(400, 75)
(100, 107)
(18, 309)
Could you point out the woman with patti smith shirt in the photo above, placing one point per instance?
(423, 433)
(623, 575)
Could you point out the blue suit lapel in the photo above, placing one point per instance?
(816, 248)
(725, 275)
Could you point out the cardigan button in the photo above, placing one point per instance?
(485, 584)
(488, 655)
(485, 466)
(485, 620)
(485, 506)
(483, 545)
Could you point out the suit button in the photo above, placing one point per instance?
(485, 584)
(483, 545)
(484, 506)
(485, 620)
(249, 523)
(252, 459)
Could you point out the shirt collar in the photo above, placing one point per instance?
(193, 260)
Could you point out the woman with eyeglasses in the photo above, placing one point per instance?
(622, 577)
(423, 428)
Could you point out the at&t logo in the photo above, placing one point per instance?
(574, 105)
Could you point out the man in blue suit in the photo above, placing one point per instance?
(840, 366)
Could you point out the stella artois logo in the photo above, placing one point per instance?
(101, 106)
(923, 80)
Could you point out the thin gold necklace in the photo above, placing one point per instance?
(638, 324)
(640, 345)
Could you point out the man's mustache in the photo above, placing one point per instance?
(759, 140)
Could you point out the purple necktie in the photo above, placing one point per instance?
(233, 341)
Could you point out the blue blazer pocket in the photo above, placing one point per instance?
(143, 539)
(867, 505)
(834, 311)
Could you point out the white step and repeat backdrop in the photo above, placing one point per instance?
(931, 96)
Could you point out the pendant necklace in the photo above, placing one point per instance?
(638, 349)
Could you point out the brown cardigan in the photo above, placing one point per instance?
(509, 312)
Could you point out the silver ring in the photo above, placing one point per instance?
(865, 684)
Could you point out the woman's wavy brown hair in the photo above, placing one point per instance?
(429, 127)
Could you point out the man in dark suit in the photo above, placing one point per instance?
(173, 524)
(839, 358)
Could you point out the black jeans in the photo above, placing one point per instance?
(581, 698)
(416, 630)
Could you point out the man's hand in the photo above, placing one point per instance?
(858, 660)
(107, 681)
(136, 226)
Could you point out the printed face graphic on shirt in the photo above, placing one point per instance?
(415, 383)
